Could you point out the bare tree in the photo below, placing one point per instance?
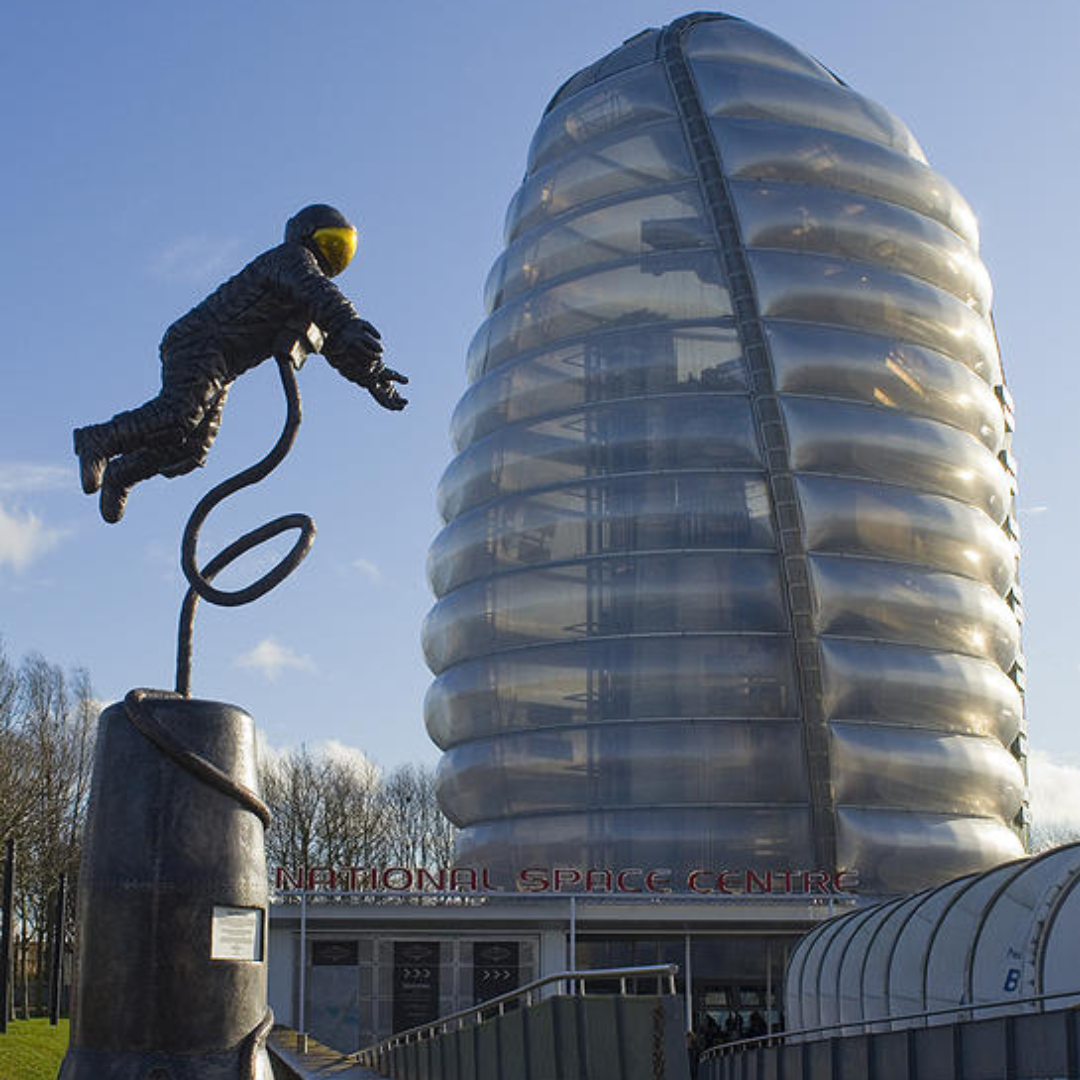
(335, 811)
(46, 737)
(418, 833)
(1052, 834)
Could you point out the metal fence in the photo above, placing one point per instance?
(551, 1027)
(977, 1041)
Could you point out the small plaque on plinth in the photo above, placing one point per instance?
(236, 934)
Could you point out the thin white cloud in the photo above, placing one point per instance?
(270, 658)
(1031, 511)
(1055, 797)
(368, 569)
(352, 756)
(197, 258)
(23, 476)
(24, 537)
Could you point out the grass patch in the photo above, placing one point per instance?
(32, 1050)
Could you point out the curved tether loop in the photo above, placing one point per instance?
(200, 580)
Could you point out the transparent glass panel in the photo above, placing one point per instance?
(656, 288)
(638, 435)
(680, 839)
(640, 513)
(670, 221)
(828, 221)
(620, 679)
(626, 162)
(813, 288)
(755, 149)
(733, 40)
(930, 771)
(628, 99)
(616, 364)
(856, 517)
(751, 92)
(717, 763)
(640, 49)
(649, 594)
(877, 444)
(873, 681)
(897, 851)
(828, 362)
(864, 598)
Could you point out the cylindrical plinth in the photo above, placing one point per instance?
(171, 977)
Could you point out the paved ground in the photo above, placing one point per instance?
(319, 1062)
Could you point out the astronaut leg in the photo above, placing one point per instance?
(124, 472)
(120, 476)
(191, 381)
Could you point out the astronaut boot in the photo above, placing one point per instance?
(121, 475)
(92, 445)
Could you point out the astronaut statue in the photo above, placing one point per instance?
(235, 328)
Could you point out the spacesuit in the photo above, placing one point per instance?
(232, 330)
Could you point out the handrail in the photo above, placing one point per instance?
(962, 1007)
(369, 1056)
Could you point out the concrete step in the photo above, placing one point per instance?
(293, 1060)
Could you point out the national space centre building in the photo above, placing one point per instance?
(728, 576)
(727, 629)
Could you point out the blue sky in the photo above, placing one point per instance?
(154, 148)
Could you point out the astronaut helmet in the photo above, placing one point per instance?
(327, 233)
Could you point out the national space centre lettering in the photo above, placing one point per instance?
(568, 879)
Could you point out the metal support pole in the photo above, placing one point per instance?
(5, 945)
(572, 966)
(56, 963)
(688, 996)
(768, 987)
(303, 961)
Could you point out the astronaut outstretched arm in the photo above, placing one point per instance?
(353, 346)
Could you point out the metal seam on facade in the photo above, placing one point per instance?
(771, 434)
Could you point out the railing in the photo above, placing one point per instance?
(883, 1023)
(575, 982)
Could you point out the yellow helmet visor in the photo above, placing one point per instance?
(338, 246)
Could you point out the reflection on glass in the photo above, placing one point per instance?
(611, 680)
(769, 151)
(666, 359)
(732, 40)
(639, 435)
(648, 594)
(658, 287)
(838, 292)
(623, 163)
(614, 765)
(825, 361)
(671, 221)
(825, 221)
(666, 511)
(758, 93)
(629, 99)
